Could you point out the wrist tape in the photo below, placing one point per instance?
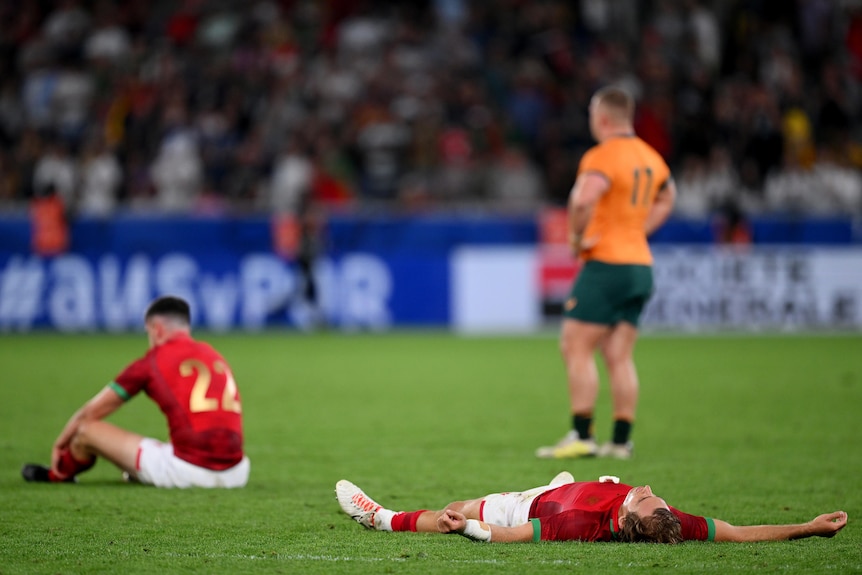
(473, 530)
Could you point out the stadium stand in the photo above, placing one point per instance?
(226, 106)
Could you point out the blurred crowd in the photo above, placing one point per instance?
(233, 106)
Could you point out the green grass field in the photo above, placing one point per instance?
(749, 430)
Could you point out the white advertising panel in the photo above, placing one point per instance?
(495, 289)
(697, 288)
(783, 288)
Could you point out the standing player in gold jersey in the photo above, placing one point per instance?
(623, 192)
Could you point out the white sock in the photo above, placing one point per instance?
(383, 519)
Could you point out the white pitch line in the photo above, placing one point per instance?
(337, 559)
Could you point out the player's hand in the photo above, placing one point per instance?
(579, 244)
(828, 524)
(451, 521)
(55, 457)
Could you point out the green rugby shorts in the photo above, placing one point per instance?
(608, 294)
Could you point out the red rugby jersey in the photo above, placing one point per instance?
(589, 511)
(195, 389)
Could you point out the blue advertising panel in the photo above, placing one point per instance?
(225, 268)
(359, 290)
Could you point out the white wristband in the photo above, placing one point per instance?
(473, 530)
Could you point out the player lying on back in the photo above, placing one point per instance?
(566, 510)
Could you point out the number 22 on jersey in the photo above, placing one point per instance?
(199, 400)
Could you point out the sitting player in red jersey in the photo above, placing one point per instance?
(566, 510)
(193, 386)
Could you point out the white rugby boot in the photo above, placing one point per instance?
(362, 508)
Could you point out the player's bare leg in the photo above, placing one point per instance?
(92, 439)
(578, 343)
(102, 439)
(372, 515)
(618, 353)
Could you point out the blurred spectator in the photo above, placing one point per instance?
(38, 89)
(839, 105)
(693, 199)
(836, 185)
(337, 86)
(791, 189)
(177, 173)
(23, 163)
(65, 28)
(56, 173)
(853, 38)
(514, 184)
(292, 178)
(726, 186)
(703, 27)
(108, 40)
(456, 173)
(8, 180)
(71, 101)
(653, 123)
(798, 137)
(709, 184)
(330, 190)
(101, 177)
(247, 182)
(816, 23)
(11, 113)
(183, 23)
(450, 13)
(219, 28)
(140, 190)
(380, 143)
(732, 226)
(217, 128)
(762, 121)
(527, 106)
(49, 224)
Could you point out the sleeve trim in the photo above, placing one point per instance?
(595, 172)
(124, 395)
(710, 529)
(537, 529)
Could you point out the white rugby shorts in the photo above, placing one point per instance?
(157, 465)
(510, 509)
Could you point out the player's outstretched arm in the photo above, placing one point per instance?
(451, 521)
(825, 525)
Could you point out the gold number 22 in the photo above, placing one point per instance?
(199, 401)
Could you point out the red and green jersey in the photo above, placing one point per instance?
(589, 511)
(195, 389)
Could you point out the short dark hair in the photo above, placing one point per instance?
(170, 306)
(660, 527)
(618, 100)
